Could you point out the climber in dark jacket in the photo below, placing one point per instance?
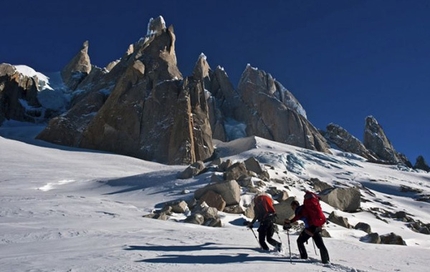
(308, 232)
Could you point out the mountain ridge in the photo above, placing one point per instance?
(258, 103)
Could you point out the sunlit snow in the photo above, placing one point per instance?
(30, 72)
(69, 209)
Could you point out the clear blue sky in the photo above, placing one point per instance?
(343, 60)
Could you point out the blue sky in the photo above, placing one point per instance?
(343, 60)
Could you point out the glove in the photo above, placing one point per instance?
(250, 225)
(287, 226)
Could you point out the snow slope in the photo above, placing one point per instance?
(68, 209)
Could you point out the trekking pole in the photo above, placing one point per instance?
(246, 223)
(255, 236)
(313, 242)
(277, 232)
(289, 245)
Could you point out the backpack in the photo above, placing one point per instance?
(263, 207)
(312, 209)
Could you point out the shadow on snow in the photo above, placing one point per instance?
(187, 258)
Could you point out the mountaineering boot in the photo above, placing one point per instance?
(324, 256)
(279, 247)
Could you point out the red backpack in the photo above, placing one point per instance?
(312, 209)
(263, 206)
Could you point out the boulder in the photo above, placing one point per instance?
(392, 238)
(319, 185)
(195, 218)
(339, 220)
(217, 177)
(213, 200)
(229, 191)
(214, 222)
(180, 207)
(202, 214)
(364, 227)
(344, 199)
(372, 238)
(253, 165)
(283, 210)
(224, 165)
(236, 171)
(235, 209)
(192, 170)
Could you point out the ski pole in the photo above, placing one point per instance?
(246, 223)
(313, 242)
(277, 232)
(289, 245)
(255, 236)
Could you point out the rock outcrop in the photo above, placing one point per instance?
(18, 96)
(78, 68)
(268, 112)
(421, 164)
(262, 107)
(340, 137)
(222, 102)
(345, 199)
(142, 107)
(377, 142)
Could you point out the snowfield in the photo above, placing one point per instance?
(68, 209)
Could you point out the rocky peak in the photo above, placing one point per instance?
(377, 142)
(78, 68)
(262, 81)
(265, 83)
(421, 164)
(347, 142)
(156, 26)
(149, 113)
(263, 110)
(223, 91)
(222, 103)
(286, 97)
(18, 95)
(157, 53)
(201, 69)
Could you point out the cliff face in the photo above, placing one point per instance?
(376, 146)
(378, 143)
(337, 135)
(264, 108)
(18, 96)
(142, 107)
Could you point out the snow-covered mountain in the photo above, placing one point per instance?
(70, 209)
